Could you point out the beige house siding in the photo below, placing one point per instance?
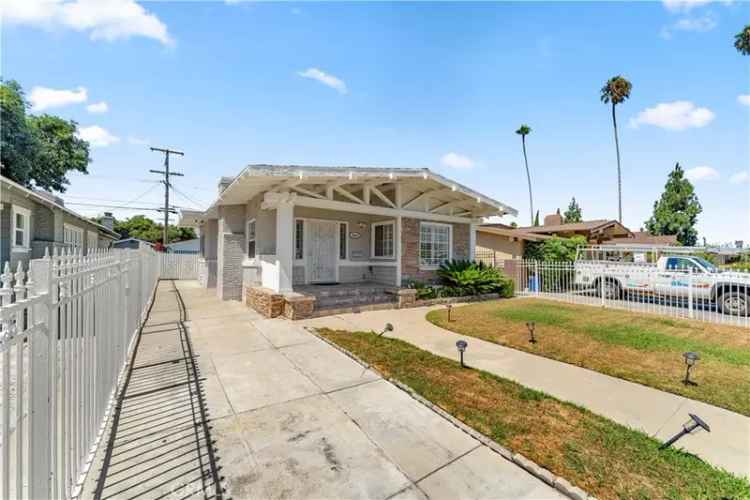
(502, 246)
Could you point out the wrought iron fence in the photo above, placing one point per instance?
(67, 327)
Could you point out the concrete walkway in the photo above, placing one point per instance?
(278, 414)
(657, 413)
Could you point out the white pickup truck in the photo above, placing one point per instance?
(614, 271)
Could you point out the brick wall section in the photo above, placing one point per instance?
(410, 249)
(264, 300)
(229, 274)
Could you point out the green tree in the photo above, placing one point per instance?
(536, 218)
(38, 151)
(676, 212)
(742, 41)
(523, 131)
(554, 249)
(615, 91)
(143, 228)
(573, 213)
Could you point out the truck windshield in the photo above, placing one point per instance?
(707, 265)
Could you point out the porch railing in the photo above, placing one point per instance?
(67, 328)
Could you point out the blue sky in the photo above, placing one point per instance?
(441, 85)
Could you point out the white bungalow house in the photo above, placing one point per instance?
(279, 236)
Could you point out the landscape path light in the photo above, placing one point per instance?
(531, 326)
(388, 328)
(450, 308)
(694, 423)
(691, 358)
(462, 345)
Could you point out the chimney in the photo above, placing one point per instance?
(224, 182)
(553, 220)
(108, 221)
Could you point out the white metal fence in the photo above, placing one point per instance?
(678, 294)
(67, 327)
(178, 266)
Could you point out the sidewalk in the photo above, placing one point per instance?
(659, 414)
(222, 403)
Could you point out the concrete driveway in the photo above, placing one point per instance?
(294, 418)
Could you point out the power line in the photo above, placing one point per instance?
(120, 206)
(198, 204)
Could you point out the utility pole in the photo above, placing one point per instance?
(166, 174)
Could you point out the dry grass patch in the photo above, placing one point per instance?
(606, 459)
(640, 348)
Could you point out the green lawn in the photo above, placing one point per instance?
(638, 347)
(602, 457)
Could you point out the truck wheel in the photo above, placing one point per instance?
(612, 290)
(735, 303)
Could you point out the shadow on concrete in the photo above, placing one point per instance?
(160, 442)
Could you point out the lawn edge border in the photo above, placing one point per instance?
(558, 483)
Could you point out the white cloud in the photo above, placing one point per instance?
(455, 160)
(42, 98)
(740, 178)
(137, 141)
(700, 24)
(677, 115)
(97, 136)
(702, 173)
(103, 19)
(744, 99)
(325, 79)
(98, 107)
(683, 5)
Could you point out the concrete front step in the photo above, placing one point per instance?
(353, 300)
(322, 292)
(330, 311)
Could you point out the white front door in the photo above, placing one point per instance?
(322, 254)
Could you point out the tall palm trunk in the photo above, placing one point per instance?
(528, 178)
(619, 175)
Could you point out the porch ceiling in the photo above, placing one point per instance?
(409, 189)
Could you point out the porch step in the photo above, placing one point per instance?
(353, 299)
(338, 291)
(330, 311)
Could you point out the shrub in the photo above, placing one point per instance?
(463, 277)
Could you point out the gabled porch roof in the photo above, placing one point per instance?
(416, 191)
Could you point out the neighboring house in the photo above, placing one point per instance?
(498, 242)
(132, 243)
(31, 221)
(277, 228)
(185, 246)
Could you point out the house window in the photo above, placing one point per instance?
(299, 239)
(382, 240)
(72, 236)
(434, 244)
(250, 239)
(21, 235)
(343, 233)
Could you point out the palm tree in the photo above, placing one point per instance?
(616, 90)
(742, 41)
(523, 131)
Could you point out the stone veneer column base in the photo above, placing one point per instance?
(264, 300)
(298, 306)
(407, 297)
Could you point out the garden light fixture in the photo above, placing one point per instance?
(531, 326)
(691, 358)
(462, 345)
(388, 328)
(694, 423)
(450, 308)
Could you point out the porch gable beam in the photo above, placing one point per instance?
(383, 197)
(448, 204)
(424, 196)
(307, 192)
(346, 194)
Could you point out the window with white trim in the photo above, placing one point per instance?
(383, 240)
(21, 220)
(343, 241)
(250, 239)
(72, 236)
(434, 244)
(299, 239)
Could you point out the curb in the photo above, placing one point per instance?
(557, 482)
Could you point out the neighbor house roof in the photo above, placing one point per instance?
(255, 179)
(47, 200)
(649, 239)
(511, 232)
(589, 225)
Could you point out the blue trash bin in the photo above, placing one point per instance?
(533, 283)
